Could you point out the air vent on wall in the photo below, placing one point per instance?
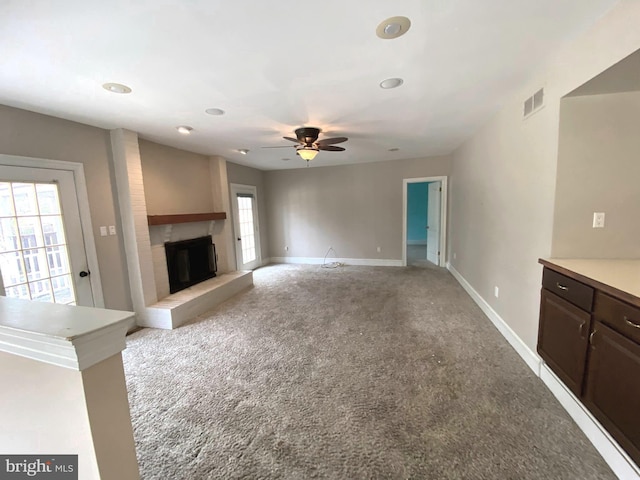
(534, 102)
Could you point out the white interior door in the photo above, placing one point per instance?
(433, 223)
(245, 222)
(42, 251)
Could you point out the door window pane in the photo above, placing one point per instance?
(34, 255)
(24, 198)
(247, 228)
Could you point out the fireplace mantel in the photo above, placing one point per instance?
(185, 218)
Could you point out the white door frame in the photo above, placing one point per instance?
(83, 205)
(253, 190)
(443, 216)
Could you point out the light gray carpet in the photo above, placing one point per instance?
(352, 373)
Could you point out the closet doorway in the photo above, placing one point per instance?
(424, 221)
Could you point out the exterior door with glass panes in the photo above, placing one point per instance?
(42, 253)
(245, 222)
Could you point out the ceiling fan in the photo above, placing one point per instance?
(309, 145)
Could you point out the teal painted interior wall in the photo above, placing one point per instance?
(417, 200)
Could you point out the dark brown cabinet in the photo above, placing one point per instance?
(612, 390)
(563, 339)
(591, 341)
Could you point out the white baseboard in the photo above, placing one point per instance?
(530, 357)
(370, 262)
(417, 242)
(610, 451)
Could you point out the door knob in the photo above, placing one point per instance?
(239, 239)
(84, 274)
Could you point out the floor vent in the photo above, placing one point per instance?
(534, 103)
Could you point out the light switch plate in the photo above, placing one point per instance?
(103, 231)
(598, 219)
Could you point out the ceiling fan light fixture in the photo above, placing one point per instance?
(307, 153)
(391, 83)
(393, 27)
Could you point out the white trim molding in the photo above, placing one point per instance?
(610, 451)
(370, 262)
(83, 206)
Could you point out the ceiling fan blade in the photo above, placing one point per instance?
(331, 141)
(330, 148)
(292, 139)
(281, 146)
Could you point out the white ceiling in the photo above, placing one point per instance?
(276, 65)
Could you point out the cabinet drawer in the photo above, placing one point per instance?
(571, 290)
(620, 316)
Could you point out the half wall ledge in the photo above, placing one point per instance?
(180, 307)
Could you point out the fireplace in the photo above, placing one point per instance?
(190, 262)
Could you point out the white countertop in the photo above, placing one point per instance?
(68, 336)
(623, 275)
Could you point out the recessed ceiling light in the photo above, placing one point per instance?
(243, 151)
(393, 27)
(214, 111)
(184, 129)
(391, 83)
(395, 149)
(116, 88)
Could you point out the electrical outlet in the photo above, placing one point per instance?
(496, 291)
(598, 219)
(112, 229)
(379, 250)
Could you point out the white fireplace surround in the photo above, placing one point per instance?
(144, 245)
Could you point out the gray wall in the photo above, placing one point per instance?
(252, 176)
(598, 171)
(503, 181)
(31, 134)
(175, 181)
(352, 208)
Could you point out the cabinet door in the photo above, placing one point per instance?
(562, 339)
(612, 391)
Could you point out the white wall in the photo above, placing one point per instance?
(598, 171)
(502, 189)
(352, 208)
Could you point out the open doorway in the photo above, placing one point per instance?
(424, 221)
